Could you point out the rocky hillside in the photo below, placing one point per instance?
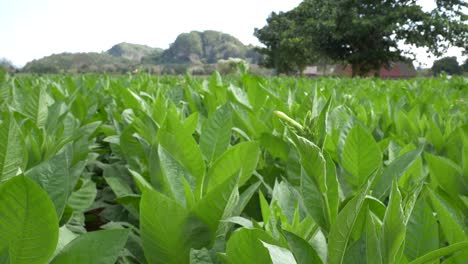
(189, 49)
(134, 52)
(206, 47)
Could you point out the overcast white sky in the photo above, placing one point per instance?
(32, 29)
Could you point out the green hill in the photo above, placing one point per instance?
(189, 50)
(78, 63)
(204, 47)
(134, 52)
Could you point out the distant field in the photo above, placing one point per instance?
(146, 169)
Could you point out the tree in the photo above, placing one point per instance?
(448, 65)
(367, 33)
(464, 66)
(6, 65)
(286, 51)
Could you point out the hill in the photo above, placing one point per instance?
(206, 47)
(134, 52)
(193, 49)
(78, 63)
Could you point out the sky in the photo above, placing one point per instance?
(32, 29)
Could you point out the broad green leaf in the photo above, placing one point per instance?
(422, 231)
(275, 145)
(361, 155)
(243, 222)
(245, 246)
(255, 93)
(243, 158)
(11, 147)
(82, 199)
(393, 228)
(245, 197)
(53, 176)
(212, 206)
(303, 252)
(100, 247)
(279, 255)
(394, 171)
(35, 107)
(174, 175)
(118, 186)
(287, 198)
(65, 237)
(314, 182)
(168, 230)
(451, 225)
(184, 149)
(240, 96)
(341, 230)
(447, 175)
(216, 133)
(141, 182)
(439, 253)
(191, 122)
(373, 251)
(28, 222)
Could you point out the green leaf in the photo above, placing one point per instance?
(361, 155)
(212, 206)
(174, 175)
(168, 230)
(82, 199)
(184, 149)
(191, 122)
(320, 128)
(275, 145)
(119, 186)
(279, 255)
(341, 230)
(216, 133)
(395, 170)
(245, 246)
(28, 222)
(53, 176)
(447, 175)
(333, 195)
(393, 228)
(451, 225)
(314, 183)
(100, 247)
(422, 231)
(243, 157)
(11, 147)
(240, 96)
(35, 107)
(373, 252)
(65, 237)
(437, 254)
(303, 252)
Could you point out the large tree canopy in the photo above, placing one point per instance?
(367, 34)
(448, 65)
(286, 51)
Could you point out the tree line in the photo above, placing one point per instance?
(365, 34)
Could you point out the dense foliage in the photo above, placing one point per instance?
(364, 34)
(145, 169)
(449, 65)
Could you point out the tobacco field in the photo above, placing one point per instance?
(240, 169)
